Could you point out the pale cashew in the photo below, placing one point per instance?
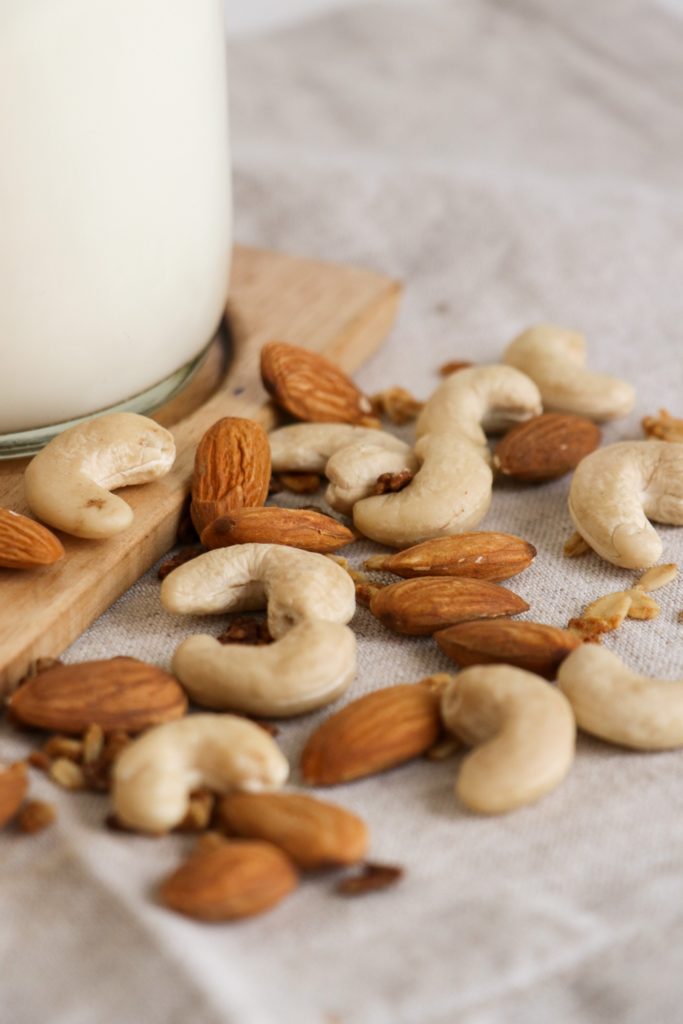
(306, 447)
(613, 702)
(312, 665)
(450, 493)
(353, 470)
(524, 731)
(616, 489)
(481, 398)
(554, 357)
(295, 585)
(67, 484)
(155, 775)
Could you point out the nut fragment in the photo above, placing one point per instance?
(575, 546)
(605, 614)
(397, 404)
(182, 556)
(231, 469)
(371, 878)
(642, 606)
(297, 528)
(199, 810)
(658, 576)
(310, 387)
(67, 774)
(390, 483)
(528, 645)
(13, 786)
(454, 366)
(665, 427)
(26, 544)
(545, 447)
(246, 630)
(420, 606)
(481, 556)
(300, 483)
(35, 816)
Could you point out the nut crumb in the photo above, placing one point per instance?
(299, 483)
(63, 746)
(199, 812)
(67, 774)
(365, 592)
(391, 483)
(371, 878)
(642, 606)
(664, 427)
(575, 546)
(39, 759)
(36, 815)
(658, 576)
(93, 744)
(397, 404)
(454, 366)
(246, 630)
(183, 556)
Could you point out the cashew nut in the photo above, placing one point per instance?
(616, 489)
(67, 484)
(154, 776)
(613, 702)
(310, 666)
(554, 357)
(354, 469)
(306, 447)
(450, 493)
(491, 398)
(296, 585)
(524, 731)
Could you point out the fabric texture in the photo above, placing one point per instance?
(512, 162)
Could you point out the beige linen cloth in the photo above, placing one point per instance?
(512, 162)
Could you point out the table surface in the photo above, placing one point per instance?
(512, 163)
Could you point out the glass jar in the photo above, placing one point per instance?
(115, 215)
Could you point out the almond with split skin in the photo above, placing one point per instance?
(295, 527)
(227, 881)
(529, 645)
(116, 694)
(310, 387)
(481, 556)
(231, 470)
(13, 787)
(26, 544)
(419, 607)
(314, 833)
(545, 447)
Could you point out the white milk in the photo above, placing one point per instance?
(115, 223)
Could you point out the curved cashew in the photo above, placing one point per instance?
(554, 357)
(295, 585)
(524, 731)
(354, 469)
(312, 665)
(67, 484)
(613, 702)
(306, 447)
(616, 489)
(154, 776)
(450, 493)
(491, 398)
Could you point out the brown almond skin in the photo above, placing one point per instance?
(478, 555)
(229, 880)
(374, 733)
(13, 787)
(529, 645)
(315, 834)
(231, 470)
(545, 447)
(419, 607)
(310, 387)
(26, 544)
(297, 528)
(116, 694)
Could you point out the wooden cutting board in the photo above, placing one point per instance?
(344, 312)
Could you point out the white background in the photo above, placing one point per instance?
(251, 15)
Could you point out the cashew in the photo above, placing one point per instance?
(154, 776)
(310, 666)
(616, 704)
(354, 469)
(491, 398)
(67, 484)
(524, 731)
(450, 493)
(294, 584)
(306, 447)
(616, 489)
(554, 357)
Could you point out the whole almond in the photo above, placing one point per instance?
(223, 881)
(315, 834)
(310, 387)
(296, 527)
(26, 544)
(529, 645)
(373, 733)
(481, 556)
(231, 469)
(545, 447)
(420, 606)
(116, 694)
(13, 786)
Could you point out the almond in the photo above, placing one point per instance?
(231, 469)
(13, 786)
(373, 733)
(118, 693)
(528, 645)
(313, 833)
(26, 544)
(420, 606)
(223, 881)
(481, 556)
(310, 387)
(545, 447)
(296, 527)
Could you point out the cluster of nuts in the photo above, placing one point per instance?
(122, 724)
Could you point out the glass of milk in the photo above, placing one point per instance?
(115, 215)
